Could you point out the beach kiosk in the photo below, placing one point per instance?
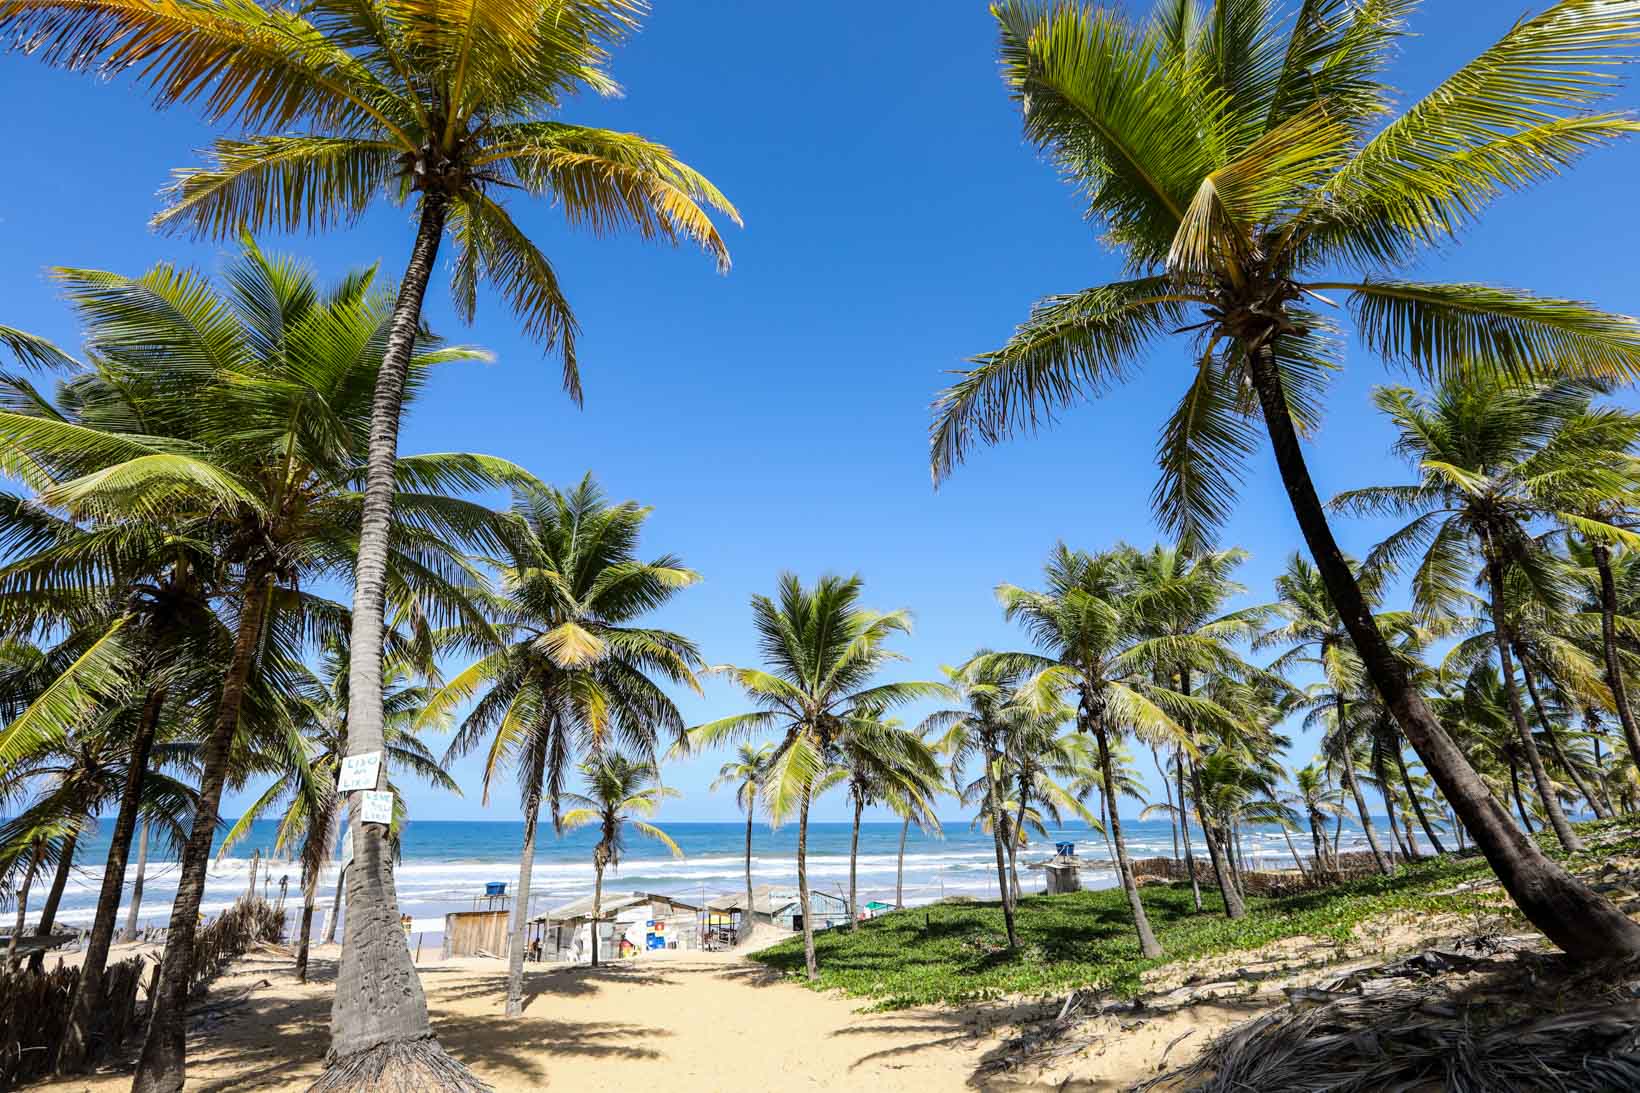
(1063, 870)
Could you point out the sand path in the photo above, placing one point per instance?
(693, 1022)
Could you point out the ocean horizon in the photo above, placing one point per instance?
(446, 863)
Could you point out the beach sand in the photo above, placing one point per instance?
(716, 1021)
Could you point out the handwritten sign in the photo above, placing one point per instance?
(347, 848)
(359, 771)
(378, 807)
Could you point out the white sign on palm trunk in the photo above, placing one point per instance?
(378, 807)
(359, 771)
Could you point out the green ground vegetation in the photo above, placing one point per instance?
(955, 952)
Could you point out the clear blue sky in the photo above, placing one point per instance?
(776, 418)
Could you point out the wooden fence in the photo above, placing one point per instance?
(35, 1006)
(475, 933)
(1352, 865)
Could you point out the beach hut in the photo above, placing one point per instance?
(630, 924)
(778, 905)
(1064, 870)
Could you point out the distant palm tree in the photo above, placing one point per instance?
(1239, 158)
(1315, 796)
(877, 764)
(822, 652)
(619, 790)
(564, 671)
(745, 773)
(342, 107)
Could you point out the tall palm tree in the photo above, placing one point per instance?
(248, 432)
(563, 670)
(305, 794)
(1238, 157)
(984, 727)
(619, 790)
(1487, 451)
(876, 764)
(821, 650)
(745, 773)
(344, 105)
(1099, 657)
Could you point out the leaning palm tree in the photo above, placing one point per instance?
(345, 105)
(1239, 157)
(619, 790)
(745, 773)
(822, 652)
(564, 671)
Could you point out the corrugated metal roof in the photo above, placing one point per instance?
(612, 903)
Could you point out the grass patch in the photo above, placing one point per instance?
(955, 952)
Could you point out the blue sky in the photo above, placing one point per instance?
(776, 418)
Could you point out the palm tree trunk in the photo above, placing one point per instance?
(1234, 906)
(162, 1066)
(1520, 802)
(1592, 719)
(1608, 649)
(76, 1046)
(521, 898)
(1016, 833)
(1298, 859)
(1504, 634)
(22, 902)
(1338, 835)
(379, 1029)
(999, 823)
(1585, 925)
(1148, 945)
(132, 916)
(1104, 823)
(747, 920)
(1184, 824)
(899, 872)
(1319, 842)
(1347, 761)
(1552, 737)
(809, 963)
(597, 905)
(335, 915)
(54, 897)
(310, 896)
(1408, 853)
(1417, 806)
(1167, 791)
(853, 866)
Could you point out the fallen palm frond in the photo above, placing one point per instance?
(1471, 1018)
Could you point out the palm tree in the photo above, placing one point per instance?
(1235, 157)
(984, 727)
(306, 787)
(745, 773)
(876, 764)
(249, 433)
(563, 670)
(1099, 657)
(619, 790)
(1315, 796)
(343, 106)
(1488, 451)
(822, 650)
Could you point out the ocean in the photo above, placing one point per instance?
(447, 862)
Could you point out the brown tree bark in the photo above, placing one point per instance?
(1148, 945)
(54, 897)
(1608, 649)
(22, 902)
(77, 1045)
(334, 917)
(379, 1029)
(999, 824)
(310, 895)
(748, 919)
(1184, 825)
(1234, 906)
(1553, 737)
(1582, 923)
(1417, 806)
(162, 1067)
(1504, 633)
(597, 903)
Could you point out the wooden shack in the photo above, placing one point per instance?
(476, 933)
